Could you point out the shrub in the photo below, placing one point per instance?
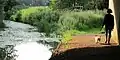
(65, 23)
(82, 4)
(67, 35)
(44, 18)
(25, 13)
(80, 20)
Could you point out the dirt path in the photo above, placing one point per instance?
(82, 41)
(83, 47)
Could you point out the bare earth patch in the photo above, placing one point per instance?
(82, 41)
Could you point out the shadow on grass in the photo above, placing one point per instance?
(90, 53)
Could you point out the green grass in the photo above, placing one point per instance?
(24, 14)
(82, 20)
(67, 36)
(91, 31)
(65, 23)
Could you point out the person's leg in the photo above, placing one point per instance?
(109, 36)
(106, 35)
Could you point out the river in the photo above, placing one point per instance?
(20, 41)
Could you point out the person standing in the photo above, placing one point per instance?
(109, 25)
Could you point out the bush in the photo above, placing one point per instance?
(25, 13)
(65, 23)
(82, 20)
(71, 23)
(43, 17)
(67, 35)
(48, 20)
(82, 4)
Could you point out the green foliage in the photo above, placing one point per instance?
(48, 20)
(43, 17)
(64, 23)
(67, 35)
(3, 1)
(25, 13)
(8, 5)
(62, 4)
(52, 4)
(82, 20)
(82, 4)
(15, 12)
(96, 4)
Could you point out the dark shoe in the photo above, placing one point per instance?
(105, 42)
(109, 44)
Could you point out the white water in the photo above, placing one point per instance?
(33, 51)
(24, 37)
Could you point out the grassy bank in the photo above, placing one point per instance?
(65, 23)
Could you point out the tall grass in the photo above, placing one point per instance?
(24, 14)
(61, 22)
(42, 17)
(82, 20)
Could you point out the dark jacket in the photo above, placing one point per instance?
(108, 21)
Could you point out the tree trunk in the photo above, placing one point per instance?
(1, 15)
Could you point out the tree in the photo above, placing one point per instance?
(86, 4)
(2, 2)
(62, 4)
(52, 4)
(9, 4)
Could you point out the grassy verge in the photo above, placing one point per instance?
(92, 31)
(67, 36)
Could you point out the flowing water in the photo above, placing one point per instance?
(20, 41)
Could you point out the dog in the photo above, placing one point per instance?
(97, 39)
